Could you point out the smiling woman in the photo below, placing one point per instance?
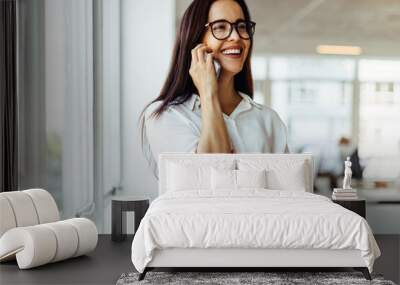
(200, 111)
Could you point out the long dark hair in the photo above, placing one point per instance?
(179, 85)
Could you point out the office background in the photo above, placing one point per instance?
(85, 70)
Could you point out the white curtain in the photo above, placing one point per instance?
(77, 37)
(106, 44)
(55, 90)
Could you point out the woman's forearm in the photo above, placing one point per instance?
(214, 136)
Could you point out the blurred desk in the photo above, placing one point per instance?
(383, 209)
(380, 195)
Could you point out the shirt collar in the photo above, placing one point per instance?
(194, 102)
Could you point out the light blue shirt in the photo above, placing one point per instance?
(252, 128)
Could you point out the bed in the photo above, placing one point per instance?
(245, 211)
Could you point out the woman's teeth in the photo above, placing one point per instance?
(232, 51)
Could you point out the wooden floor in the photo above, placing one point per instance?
(110, 260)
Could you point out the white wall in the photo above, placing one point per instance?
(147, 35)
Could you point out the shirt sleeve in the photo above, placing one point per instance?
(280, 135)
(170, 132)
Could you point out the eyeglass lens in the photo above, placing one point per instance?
(222, 30)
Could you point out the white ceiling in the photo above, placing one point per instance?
(298, 26)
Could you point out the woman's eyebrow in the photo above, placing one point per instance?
(223, 19)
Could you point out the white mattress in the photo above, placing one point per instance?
(252, 218)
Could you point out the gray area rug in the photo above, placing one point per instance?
(225, 278)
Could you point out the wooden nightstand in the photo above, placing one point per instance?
(357, 206)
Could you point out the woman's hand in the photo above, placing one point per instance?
(202, 71)
(214, 137)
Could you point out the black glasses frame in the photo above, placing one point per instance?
(248, 23)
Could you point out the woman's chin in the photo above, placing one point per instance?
(230, 70)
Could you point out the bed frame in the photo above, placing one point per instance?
(248, 259)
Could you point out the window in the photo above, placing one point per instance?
(314, 98)
(321, 101)
(379, 135)
(379, 108)
(259, 69)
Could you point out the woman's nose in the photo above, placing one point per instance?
(234, 35)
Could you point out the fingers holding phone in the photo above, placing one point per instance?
(217, 67)
(204, 70)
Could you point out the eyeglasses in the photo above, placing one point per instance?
(222, 29)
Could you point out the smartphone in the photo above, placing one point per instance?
(217, 66)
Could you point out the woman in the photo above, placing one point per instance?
(199, 112)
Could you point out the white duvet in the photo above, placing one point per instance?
(251, 218)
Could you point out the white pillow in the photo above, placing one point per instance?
(282, 174)
(251, 178)
(293, 179)
(190, 176)
(183, 177)
(223, 179)
(237, 179)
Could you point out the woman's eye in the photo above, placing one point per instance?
(242, 26)
(219, 27)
